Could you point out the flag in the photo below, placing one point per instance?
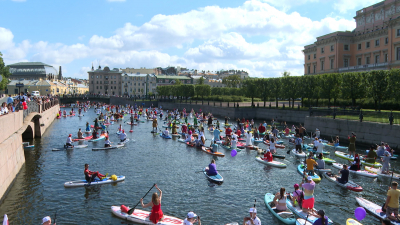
(5, 221)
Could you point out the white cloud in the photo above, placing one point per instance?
(287, 4)
(225, 34)
(344, 5)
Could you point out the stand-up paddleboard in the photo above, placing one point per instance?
(377, 171)
(349, 185)
(315, 177)
(166, 137)
(351, 221)
(98, 139)
(82, 139)
(364, 173)
(299, 212)
(273, 163)
(142, 217)
(176, 135)
(215, 178)
(208, 151)
(124, 142)
(108, 148)
(373, 208)
(299, 155)
(69, 147)
(81, 183)
(286, 217)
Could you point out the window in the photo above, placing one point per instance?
(92, 82)
(111, 87)
(111, 82)
(367, 44)
(359, 47)
(322, 50)
(386, 57)
(101, 87)
(97, 87)
(346, 62)
(331, 48)
(100, 76)
(308, 70)
(106, 77)
(332, 63)
(97, 82)
(386, 41)
(377, 59)
(367, 60)
(115, 87)
(315, 68)
(322, 65)
(359, 61)
(346, 47)
(138, 84)
(398, 32)
(376, 43)
(398, 54)
(315, 56)
(309, 57)
(97, 76)
(100, 82)
(92, 77)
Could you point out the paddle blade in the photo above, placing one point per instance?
(131, 211)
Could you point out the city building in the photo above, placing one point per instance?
(214, 82)
(33, 71)
(105, 81)
(162, 80)
(373, 45)
(142, 70)
(138, 85)
(76, 86)
(43, 86)
(226, 73)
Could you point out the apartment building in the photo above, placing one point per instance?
(138, 85)
(373, 45)
(105, 81)
(142, 70)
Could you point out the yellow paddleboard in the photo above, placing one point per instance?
(351, 221)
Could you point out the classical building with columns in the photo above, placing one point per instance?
(373, 45)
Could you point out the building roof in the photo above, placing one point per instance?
(29, 64)
(172, 77)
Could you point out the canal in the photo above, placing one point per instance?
(38, 190)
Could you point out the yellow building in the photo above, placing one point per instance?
(43, 86)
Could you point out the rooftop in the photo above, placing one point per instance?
(29, 64)
(172, 77)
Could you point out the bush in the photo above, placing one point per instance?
(221, 98)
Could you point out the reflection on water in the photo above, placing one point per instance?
(38, 190)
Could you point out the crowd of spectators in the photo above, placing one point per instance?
(20, 102)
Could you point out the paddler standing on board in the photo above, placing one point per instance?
(155, 125)
(352, 145)
(392, 202)
(122, 136)
(308, 201)
(80, 134)
(96, 123)
(217, 134)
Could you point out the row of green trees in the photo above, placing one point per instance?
(379, 85)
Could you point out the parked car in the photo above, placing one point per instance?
(35, 93)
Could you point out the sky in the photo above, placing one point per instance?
(262, 37)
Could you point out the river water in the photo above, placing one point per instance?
(38, 190)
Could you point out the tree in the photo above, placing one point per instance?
(163, 90)
(5, 72)
(330, 87)
(203, 90)
(394, 83)
(285, 74)
(177, 82)
(352, 86)
(187, 90)
(232, 81)
(200, 81)
(250, 87)
(275, 87)
(264, 89)
(289, 88)
(377, 86)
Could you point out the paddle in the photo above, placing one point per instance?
(55, 217)
(133, 209)
(305, 222)
(203, 171)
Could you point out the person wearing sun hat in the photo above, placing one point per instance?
(47, 221)
(191, 219)
(309, 186)
(69, 141)
(253, 219)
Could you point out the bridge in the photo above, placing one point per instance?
(70, 99)
(16, 127)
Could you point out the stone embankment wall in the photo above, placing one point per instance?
(367, 133)
(12, 127)
(267, 114)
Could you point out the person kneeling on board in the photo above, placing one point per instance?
(165, 133)
(107, 143)
(345, 175)
(268, 156)
(69, 142)
(122, 136)
(90, 176)
(214, 147)
(212, 169)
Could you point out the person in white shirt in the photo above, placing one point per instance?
(122, 136)
(69, 141)
(191, 219)
(107, 143)
(249, 136)
(317, 133)
(320, 147)
(253, 219)
(315, 143)
(166, 132)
